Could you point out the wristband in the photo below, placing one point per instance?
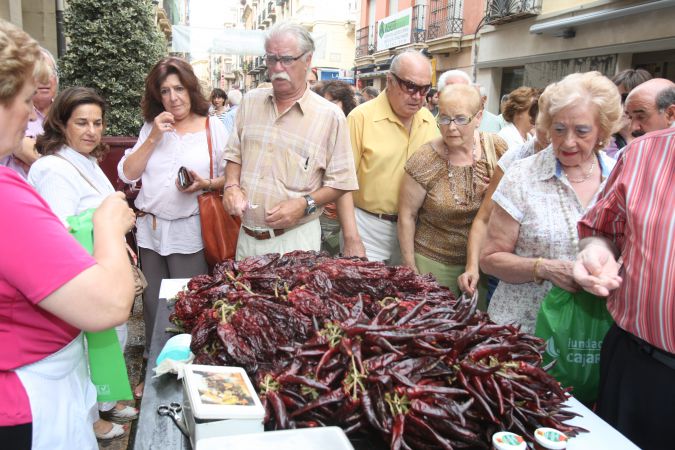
(228, 186)
(210, 187)
(534, 271)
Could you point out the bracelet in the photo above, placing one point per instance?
(534, 271)
(227, 186)
(210, 188)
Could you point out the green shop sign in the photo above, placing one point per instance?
(394, 30)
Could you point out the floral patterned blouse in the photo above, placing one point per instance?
(529, 193)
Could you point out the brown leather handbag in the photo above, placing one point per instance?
(219, 229)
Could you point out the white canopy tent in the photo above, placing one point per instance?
(228, 41)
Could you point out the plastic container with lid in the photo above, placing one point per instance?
(220, 401)
(505, 440)
(549, 439)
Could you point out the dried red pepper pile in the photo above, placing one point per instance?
(370, 348)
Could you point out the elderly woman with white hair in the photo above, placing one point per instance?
(453, 76)
(532, 236)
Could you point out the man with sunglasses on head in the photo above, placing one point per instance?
(385, 132)
(288, 154)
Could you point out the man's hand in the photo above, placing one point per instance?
(286, 214)
(234, 201)
(596, 270)
(354, 247)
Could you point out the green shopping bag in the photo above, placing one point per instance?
(106, 360)
(574, 326)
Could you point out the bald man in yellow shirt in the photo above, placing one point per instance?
(384, 133)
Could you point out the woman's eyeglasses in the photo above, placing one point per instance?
(459, 120)
(411, 88)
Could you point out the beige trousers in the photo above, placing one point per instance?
(303, 237)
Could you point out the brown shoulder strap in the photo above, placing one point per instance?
(78, 171)
(490, 152)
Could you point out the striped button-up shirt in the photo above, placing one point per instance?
(285, 155)
(637, 212)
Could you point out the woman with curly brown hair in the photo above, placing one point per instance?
(340, 93)
(176, 133)
(516, 112)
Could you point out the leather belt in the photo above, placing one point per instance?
(387, 217)
(140, 213)
(263, 235)
(665, 358)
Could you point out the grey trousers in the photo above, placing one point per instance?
(157, 267)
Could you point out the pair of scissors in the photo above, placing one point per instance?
(175, 411)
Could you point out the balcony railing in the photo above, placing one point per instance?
(445, 18)
(365, 41)
(502, 11)
(418, 32)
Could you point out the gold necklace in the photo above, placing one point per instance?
(468, 195)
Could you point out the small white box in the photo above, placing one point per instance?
(323, 438)
(220, 401)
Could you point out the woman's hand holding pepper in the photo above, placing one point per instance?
(468, 281)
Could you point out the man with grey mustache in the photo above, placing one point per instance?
(288, 155)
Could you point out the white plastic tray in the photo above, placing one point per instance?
(323, 438)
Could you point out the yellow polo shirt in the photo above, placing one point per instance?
(381, 147)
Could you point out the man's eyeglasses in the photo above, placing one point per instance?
(272, 60)
(411, 88)
(459, 120)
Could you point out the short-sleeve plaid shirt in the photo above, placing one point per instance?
(289, 154)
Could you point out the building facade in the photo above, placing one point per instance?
(332, 25)
(535, 42)
(443, 29)
(504, 44)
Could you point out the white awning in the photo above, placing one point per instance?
(228, 41)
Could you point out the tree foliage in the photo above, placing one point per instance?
(112, 45)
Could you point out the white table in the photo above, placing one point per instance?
(601, 435)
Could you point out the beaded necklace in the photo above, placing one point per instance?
(574, 237)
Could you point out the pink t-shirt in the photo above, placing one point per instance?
(37, 256)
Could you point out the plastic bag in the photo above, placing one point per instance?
(106, 360)
(574, 326)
